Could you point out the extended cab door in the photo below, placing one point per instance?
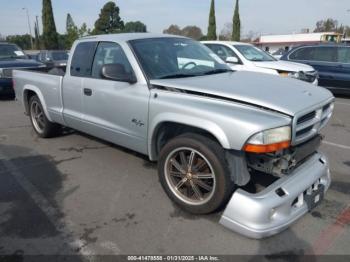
(80, 67)
(115, 111)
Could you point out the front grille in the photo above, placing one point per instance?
(306, 117)
(309, 124)
(304, 131)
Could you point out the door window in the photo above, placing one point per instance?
(321, 54)
(305, 53)
(325, 54)
(344, 55)
(82, 59)
(109, 53)
(222, 51)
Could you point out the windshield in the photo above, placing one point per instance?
(254, 54)
(11, 51)
(174, 57)
(56, 56)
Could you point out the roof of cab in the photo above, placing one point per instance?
(126, 37)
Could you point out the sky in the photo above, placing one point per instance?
(262, 17)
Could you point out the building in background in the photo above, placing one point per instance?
(282, 43)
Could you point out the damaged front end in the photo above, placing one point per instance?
(287, 184)
(285, 161)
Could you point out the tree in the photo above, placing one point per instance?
(250, 36)
(50, 37)
(109, 21)
(83, 30)
(192, 31)
(69, 22)
(135, 27)
(23, 41)
(344, 30)
(173, 30)
(226, 32)
(236, 24)
(212, 23)
(62, 42)
(327, 25)
(72, 32)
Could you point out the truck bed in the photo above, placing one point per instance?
(47, 84)
(47, 70)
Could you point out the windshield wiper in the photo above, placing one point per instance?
(257, 60)
(217, 71)
(177, 76)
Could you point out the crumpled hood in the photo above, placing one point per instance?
(288, 96)
(285, 66)
(18, 63)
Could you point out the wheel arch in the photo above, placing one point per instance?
(30, 91)
(162, 131)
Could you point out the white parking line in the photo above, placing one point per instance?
(336, 145)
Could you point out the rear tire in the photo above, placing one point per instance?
(41, 125)
(193, 172)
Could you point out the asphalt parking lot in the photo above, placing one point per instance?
(75, 194)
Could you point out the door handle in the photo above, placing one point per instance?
(87, 92)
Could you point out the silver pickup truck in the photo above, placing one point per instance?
(239, 141)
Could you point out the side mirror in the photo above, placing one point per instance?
(117, 72)
(232, 60)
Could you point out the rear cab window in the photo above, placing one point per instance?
(83, 56)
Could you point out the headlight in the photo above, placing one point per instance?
(294, 75)
(268, 141)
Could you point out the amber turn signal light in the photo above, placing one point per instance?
(266, 148)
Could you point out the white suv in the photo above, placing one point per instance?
(246, 57)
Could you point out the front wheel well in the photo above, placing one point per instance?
(169, 130)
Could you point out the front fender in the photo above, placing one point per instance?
(192, 121)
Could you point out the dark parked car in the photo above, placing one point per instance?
(11, 56)
(331, 61)
(53, 58)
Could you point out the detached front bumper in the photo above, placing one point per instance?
(270, 211)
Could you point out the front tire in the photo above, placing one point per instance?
(193, 172)
(41, 125)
